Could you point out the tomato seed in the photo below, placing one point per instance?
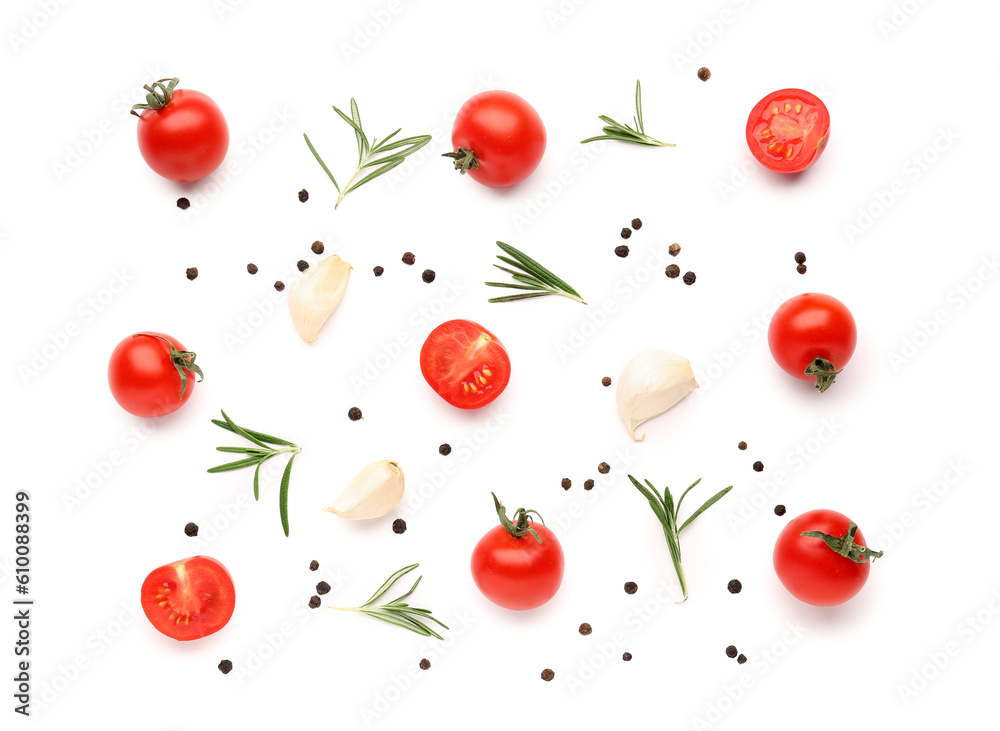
(604, 468)
(191, 529)
(252, 268)
(673, 271)
(399, 526)
(409, 258)
(636, 223)
(322, 588)
(626, 232)
(621, 251)
(183, 203)
(303, 195)
(758, 466)
(302, 265)
(192, 273)
(225, 666)
(444, 449)
(606, 381)
(428, 275)
(314, 602)
(734, 586)
(547, 675)
(586, 629)
(626, 656)
(425, 664)
(800, 258)
(704, 74)
(674, 249)
(779, 510)
(378, 271)
(354, 413)
(566, 483)
(317, 247)
(313, 565)
(742, 445)
(631, 587)
(588, 485)
(731, 651)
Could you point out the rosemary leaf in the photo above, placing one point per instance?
(537, 278)
(622, 132)
(397, 612)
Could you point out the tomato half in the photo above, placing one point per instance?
(151, 374)
(465, 363)
(518, 572)
(189, 599)
(184, 137)
(812, 571)
(812, 337)
(498, 139)
(788, 130)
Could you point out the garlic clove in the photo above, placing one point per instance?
(652, 382)
(316, 294)
(373, 492)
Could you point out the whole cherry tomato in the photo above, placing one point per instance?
(149, 374)
(812, 336)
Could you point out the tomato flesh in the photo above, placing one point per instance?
(811, 326)
(810, 570)
(788, 130)
(185, 140)
(189, 599)
(518, 573)
(465, 364)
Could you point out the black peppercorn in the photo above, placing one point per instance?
(428, 275)
(779, 510)
(547, 675)
(302, 265)
(303, 195)
(704, 74)
(399, 526)
(378, 271)
(758, 466)
(604, 468)
(313, 565)
(742, 445)
(626, 232)
(626, 656)
(225, 666)
(689, 278)
(801, 268)
(800, 258)
(409, 258)
(191, 529)
(183, 203)
(731, 651)
(631, 587)
(252, 268)
(444, 449)
(279, 285)
(354, 413)
(674, 249)
(566, 483)
(317, 247)
(314, 602)
(621, 251)
(588, 485)
(425, 664)
(586, 629)
(673, 271)
(322, 588)
(734, 586)
(606, 381)
(636, 223)
(192, 273)
(741, 659)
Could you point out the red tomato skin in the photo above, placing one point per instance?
(142, 377)
(816, 126)
(506, 134)
(201, 575)
(809, 569)
(810, 326)
(518, 573)
(456, 349)
(187, 139)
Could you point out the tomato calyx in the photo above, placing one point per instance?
(823, 371)
(844, 545)
(183, 361)
(523, 521)
(158, 95)
(464, 158)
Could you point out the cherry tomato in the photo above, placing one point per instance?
(811, 570)
(518, 564)
(189, 599)
(150, 374)
(499, 139)
(465, 363)
(182, 134)
(812, 336)
(788, 129)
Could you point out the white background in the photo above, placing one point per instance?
(80, 207)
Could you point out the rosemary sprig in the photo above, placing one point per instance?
(622, 132)
(536, 280)
(666, 512)
(257, 456)
(370, 154)
(397, 611)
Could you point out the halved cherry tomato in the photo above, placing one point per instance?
(465, 363)
(189, 599)
(788, 130)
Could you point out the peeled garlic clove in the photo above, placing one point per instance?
(651, 383)
(314, 297)
(373, 492)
